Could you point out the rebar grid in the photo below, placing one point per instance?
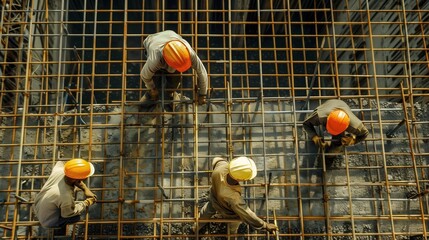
(70, 88)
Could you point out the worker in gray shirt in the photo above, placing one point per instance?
(336, 116)
(54, 205)
(225, 195)
(168, 52)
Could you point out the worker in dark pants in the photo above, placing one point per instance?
(339, 121)
(168, 53)
(225, 195)
(54, 205)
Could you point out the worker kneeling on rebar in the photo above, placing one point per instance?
(225, 195)
(54, 205)
(339, 121)
(167, 52)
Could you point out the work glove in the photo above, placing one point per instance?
(154, 94)
(348, 140)
(271, 228)
(318, 140)
(201, 99)
(89, 201)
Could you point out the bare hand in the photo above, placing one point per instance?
(202, 99)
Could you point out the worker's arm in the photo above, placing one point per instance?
(361, 133)
(249, 217)
(152, 65)
(70, 208)
(240, 208)
(198, 66)
(88, 193)
(310, 122)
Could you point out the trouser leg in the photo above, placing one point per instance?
(63, 222)
(206, 212)
(172, 81)
(233, 227)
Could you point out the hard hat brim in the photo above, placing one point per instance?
(92, 169)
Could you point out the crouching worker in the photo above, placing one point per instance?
(54, 205)
(339, 121)
(225, 195)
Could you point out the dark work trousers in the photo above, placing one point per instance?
(62, 224)
(172, 81)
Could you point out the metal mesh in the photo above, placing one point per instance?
(70, 87)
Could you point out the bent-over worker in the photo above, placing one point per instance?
(225, 194)
(168, 52)
(336, 116)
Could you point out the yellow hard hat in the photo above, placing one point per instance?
(177, 55)
(338, 121)
(78, 169)
(242, 169)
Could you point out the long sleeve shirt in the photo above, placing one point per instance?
(56, 198)
(320, 116)
(227, 200)
(154, 45)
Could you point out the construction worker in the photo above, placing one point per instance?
(225, 195)
(168, 52)
(336, 116)
(54, 205)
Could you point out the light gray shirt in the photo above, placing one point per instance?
(154, 45)
(56, 199)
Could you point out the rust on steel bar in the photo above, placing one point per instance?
(413, 157)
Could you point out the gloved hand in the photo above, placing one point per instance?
(154, 94)
(318, 140)
(271, 228)
(201, 99)
(348, 140)
(90, 201)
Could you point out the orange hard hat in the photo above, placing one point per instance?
(78, 169)
(338, 121)
(177, 55)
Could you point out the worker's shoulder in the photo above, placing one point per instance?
(336, 101)
(217, 160)
(169, 33)
(59, 164)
